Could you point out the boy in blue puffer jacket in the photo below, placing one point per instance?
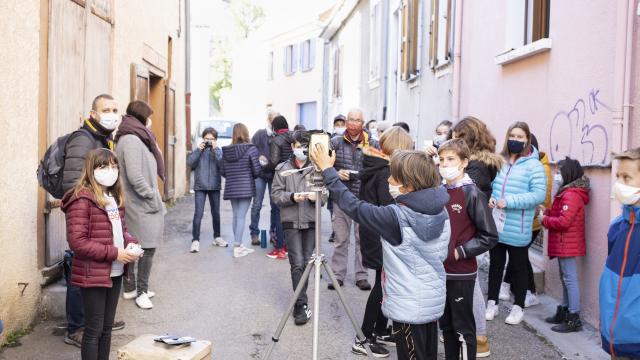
(620, 279)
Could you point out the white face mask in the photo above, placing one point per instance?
(106, 177)
(109, 121)
(449, 173)
(439, 140)
(558, 178)
(299, 153)
(339, 130)
(394, 190)
(625, 194)
(269, 130)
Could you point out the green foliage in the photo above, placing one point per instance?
(13, 338)
(247, 16)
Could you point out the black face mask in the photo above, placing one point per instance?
(515, 146)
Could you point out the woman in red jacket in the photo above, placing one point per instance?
(97, 234)
(565, 222)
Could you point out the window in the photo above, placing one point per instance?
(375, 38)
(527, 21)
(290, 59)
(409, 65)
(440, 33)
(270, 66)
(308, 56)
(337, 76)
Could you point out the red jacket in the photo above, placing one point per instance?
(90, 236)
(565, 220)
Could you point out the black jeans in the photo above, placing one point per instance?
(143, 272)
(416, 342)
(374, 319)
(214, 204)
(300, 244)
(74, 308)
(100, 309)
(458, 320)
(518, 256)
(508, 276)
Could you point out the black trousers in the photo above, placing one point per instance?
(99, 312)
(73, 308)
(300, 244)
(374, 319)
(518, 256)
(416, 342)
(458, 320)
(508, 276)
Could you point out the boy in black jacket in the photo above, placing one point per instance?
(473, 232)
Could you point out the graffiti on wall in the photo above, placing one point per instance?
(580, 132)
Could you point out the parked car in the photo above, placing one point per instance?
(223, 127)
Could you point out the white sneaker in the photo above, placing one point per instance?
(249, 251)
(220, 242)
(195, 246)
(143, 301)
(238, 251)
(531, 300)
(505, 292)
(130, 295)
(492, 310)
(150, 294)
(515, 316)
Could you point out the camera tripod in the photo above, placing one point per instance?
(317, 260)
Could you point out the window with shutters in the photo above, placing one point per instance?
(375, 40)
(270, 66)
(308, 54)
(290, 59)
(526, 30)
(337, 75)
(410, 40)
(440, 33)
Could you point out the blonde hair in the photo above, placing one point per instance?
(395, 138)
(95, 159)
(240, 134)
(414, 168)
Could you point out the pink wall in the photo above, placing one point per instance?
(634, 133)
(564, 94)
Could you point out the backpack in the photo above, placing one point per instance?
(51, 167)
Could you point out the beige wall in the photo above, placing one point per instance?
(151, 22)
(19, 24)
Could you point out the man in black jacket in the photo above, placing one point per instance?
(97, 129)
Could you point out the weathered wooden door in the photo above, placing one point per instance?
(170, 141)
(79, 68)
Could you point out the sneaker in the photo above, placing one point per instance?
(273, 254)
(74, 339)
(301, 314)
(249, 251)
(385, 338)
(332, 238)
(150, 294)
(195, 246)
(482, 350)
(282, 255)
(117, 325)
(492, 310)
(220, 242)
(531, 300)
(143, 301)
(363, 285)
(286, 251)
(255, 239)
(130, 295)
(378, 350)
(515, 316)
(239, 251)
(505, 292)
(331, 287)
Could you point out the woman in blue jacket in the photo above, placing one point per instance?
(518, 189)
(205, 162)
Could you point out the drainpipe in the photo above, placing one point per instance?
(622, 84)
(457, 50)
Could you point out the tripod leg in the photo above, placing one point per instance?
(346, 307)
(285, 317)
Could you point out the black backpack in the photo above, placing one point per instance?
(51, 166)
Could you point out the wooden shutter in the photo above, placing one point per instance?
(170, 141)
(540, 19)
(413, 36)
(98, 53)
(139, 82)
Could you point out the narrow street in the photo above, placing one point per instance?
(237, 303)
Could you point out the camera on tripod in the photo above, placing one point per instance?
(315, 179)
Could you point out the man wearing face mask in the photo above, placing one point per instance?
(338, 130)
(95, 134)
(349, 159)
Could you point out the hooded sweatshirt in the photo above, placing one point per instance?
(240, 167)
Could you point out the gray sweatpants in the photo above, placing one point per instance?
(479, 310)
(342, 228)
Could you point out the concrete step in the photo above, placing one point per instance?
(53, 301)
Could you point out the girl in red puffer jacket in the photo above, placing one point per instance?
(565, 223)
(97, 234)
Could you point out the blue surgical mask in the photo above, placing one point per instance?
(299, 154)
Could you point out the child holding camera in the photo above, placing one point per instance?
(473, 232)
(102, 247)
(415, 232)
(205, 161)
(296, 201)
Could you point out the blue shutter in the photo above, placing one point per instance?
(294, 58)
(312, 53)
(285, 60)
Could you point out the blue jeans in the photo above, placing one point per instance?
(240, 208)
(74, 306)
(570, 285)
(276, 225)
(214, 204)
